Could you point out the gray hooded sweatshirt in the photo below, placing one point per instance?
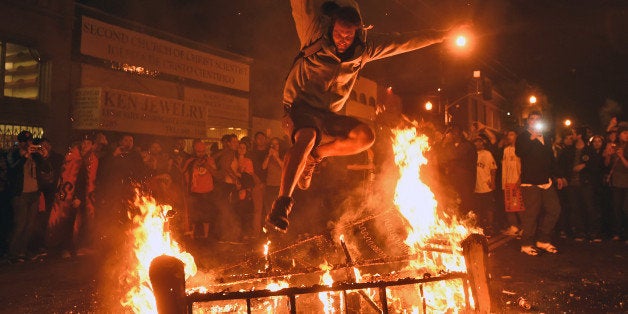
(321, 79)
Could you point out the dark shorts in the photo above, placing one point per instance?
(326, 123)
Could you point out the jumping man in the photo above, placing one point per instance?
(334, 47)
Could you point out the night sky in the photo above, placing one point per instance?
(574, 52)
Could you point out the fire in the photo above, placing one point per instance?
(329, 298)
(151, 239)
(426, 226)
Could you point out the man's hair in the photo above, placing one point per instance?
(122, 136)
(227, 137)
(348, 16)
(259, 133)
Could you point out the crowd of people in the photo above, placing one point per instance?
(56, 204)
(529, 186)
(517, 183)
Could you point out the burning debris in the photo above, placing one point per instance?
(439, 267)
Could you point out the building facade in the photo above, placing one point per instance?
(36, 69)
(89, 71)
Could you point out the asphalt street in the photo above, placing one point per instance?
(582, 278)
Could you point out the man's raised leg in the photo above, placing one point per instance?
(293, 164)
(301, 159)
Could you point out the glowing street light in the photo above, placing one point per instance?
(567, 122)
(532, 99)
(461, 41)
(429, 106)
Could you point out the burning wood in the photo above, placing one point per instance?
(432, 274)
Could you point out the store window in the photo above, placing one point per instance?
(8, 134)
(20, 67)
(372, 101)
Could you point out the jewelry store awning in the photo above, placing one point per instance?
(102, 108)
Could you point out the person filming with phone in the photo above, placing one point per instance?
(540, 178)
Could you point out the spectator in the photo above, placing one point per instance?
(564, 226)
(226, 179)
(618, 178)
(457, 159)
(120, 172)
(511, 181)
(258, 153)
(243, 204)
(159, 165)
(25, 195)
(489, 135)
(71, 223)
(204, 208)
(227, 162)
(538, 180)
(49, 165)
(485, 186)
(101, 144)
(601, 193)
(273, 164)
(583, 165)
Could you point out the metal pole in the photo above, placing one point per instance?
(293, 304)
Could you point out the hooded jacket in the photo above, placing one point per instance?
(321, 79)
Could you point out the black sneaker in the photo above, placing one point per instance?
(306, 177)
(278, 217)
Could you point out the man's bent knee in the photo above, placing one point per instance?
(364, 135)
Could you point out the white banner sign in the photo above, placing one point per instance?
(223, 109)
(99, 108)
(110, 42)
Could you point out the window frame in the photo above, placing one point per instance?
(40, 71)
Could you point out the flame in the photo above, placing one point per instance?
(427, 227)
(151, 239)
(328, 298)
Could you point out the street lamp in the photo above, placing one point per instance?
(567, 122)
(461, 41)
(532, 99)
(429, 106)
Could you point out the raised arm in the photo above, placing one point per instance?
(305, 14)
(310, 21)
(381, 46)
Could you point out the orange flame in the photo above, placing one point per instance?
(151, 239)
(328, 298)
(416, 202)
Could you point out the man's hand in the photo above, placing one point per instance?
(463, 29)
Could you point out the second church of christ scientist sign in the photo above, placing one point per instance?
(110, 42)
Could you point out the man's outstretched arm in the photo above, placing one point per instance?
(381, 46)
